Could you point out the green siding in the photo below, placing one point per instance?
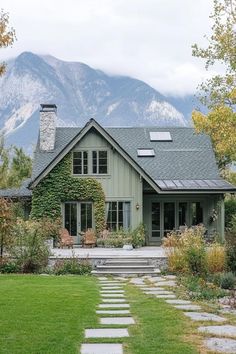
(122, 182)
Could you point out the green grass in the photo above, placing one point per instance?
(46, 314)
(159, 328)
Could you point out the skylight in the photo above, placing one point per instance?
(145, 152)
(160, 136)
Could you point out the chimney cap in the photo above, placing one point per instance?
(48, 107)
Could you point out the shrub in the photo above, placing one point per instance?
(216, 258)
(186, 251)
(227, 281)
(138, 236)
(72, 266)
(29, 248)
(8, 266)
(231, 245)
(198, 288)
(230, 210)
(196, 259)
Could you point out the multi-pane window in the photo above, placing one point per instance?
(118, 215)
(197, 213)
(99, 162)
(80, 163)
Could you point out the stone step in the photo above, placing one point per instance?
(106, 333)
(122, 266)
(125, 272)
(101, 348)
(132, 262)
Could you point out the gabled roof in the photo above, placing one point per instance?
(187, 163)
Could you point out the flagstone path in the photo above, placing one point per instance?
(218, 345)
(111, 311)
(114, 311)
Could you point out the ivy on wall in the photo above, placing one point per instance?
(60, 186)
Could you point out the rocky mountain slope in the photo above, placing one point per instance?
(80, 93)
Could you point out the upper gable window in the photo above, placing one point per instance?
(80, 162)
(146, 152)
(99, 162)
(160, 136)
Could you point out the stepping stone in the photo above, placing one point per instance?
(111, 287)
(225, 330)
(112, 291)
(154, 279)
(117, 320)
(113, 295)
(178, 302)
(110, 284)
(113, 300)
(103, 306)
(158, 292)
(188, 307)
(121, 278)
(113, 312)
(104, 348)
(166, 296)
(166, 283)
(153, 289)
(172, 277)
(221, 345)
(106, 333)
(204, 316)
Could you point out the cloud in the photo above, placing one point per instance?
(147, 39)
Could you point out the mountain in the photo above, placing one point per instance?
(80, 93)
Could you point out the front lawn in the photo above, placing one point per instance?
(160, 328)
(46, 314)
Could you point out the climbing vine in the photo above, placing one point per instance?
(60, 186)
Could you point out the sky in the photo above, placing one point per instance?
(146, 39)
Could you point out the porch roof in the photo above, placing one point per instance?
(197, 185)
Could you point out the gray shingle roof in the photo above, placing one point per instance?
(188, 157)
(22, 192)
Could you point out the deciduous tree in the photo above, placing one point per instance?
(7, 35)
(219, 92)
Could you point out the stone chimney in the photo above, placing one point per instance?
(47, 128)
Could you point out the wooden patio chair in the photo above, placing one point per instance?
(66, 239)
(89, 238)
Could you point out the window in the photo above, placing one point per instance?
(183, 214)
(160, 136)
(99, 161)
(145, 152)
(197, 213)
(169, 217)
(78, 216)
(118, 215)
(85, 216)
(156, 220)
(70, 218)
(80, 162)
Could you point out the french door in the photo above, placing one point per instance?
(77, 218)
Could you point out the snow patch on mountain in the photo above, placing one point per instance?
(19, 118)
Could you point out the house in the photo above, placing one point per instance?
(96, 177)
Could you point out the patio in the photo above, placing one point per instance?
(99, 253)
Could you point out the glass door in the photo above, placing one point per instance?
(155, 222)
(78, 217)
(169, 217)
